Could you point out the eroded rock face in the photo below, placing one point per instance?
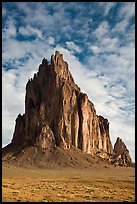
(121, 153)
(19, 132)
(58, 114)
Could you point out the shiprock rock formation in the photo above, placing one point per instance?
(58, 114)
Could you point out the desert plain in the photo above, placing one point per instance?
(68, 184)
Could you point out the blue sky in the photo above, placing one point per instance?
(97, 39)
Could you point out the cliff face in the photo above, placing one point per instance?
(57, 113)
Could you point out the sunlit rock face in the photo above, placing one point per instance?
(57, 113)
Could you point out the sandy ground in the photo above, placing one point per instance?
(95, 184)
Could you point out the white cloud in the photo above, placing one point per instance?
(20, 49)
(24, 49)
(95, 49)
(101, 30)
(73, 47)
(109, 44)
(105, 41)
(9, 30)
(51, 24)
(127, 10)
(104, 45)
(120, 26)
(107, 6)
(29, 30)
(4, 12)
(51, 40)
(12, 98)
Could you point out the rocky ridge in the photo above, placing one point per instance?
(58, 114)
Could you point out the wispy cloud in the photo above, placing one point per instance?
(73, 47)
(95, 48)
(121, 26)
(51, 40)
(101, 30)
(9, 30)
(127, 10)
(107, 6)
(29, 30)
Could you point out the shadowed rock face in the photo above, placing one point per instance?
(57, 113)
(121, 153)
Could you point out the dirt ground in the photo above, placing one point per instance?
(95, 184)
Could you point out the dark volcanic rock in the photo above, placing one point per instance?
(121, 154)
(58, 114)
(19, 136)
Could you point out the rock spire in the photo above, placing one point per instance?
(57, 113)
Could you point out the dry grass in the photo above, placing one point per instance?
(68, 184)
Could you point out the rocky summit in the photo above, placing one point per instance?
(58, 114)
